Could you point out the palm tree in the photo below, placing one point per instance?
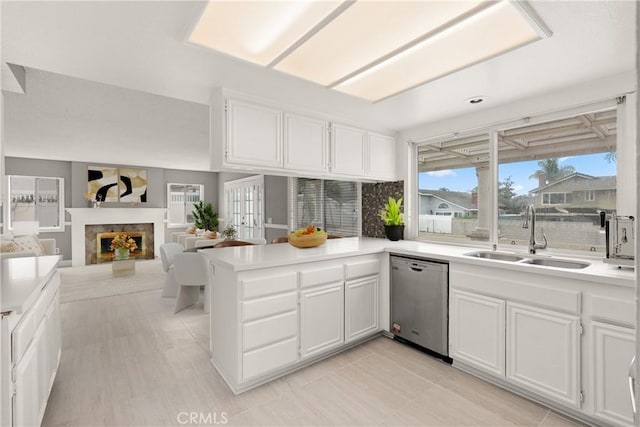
(551, 169)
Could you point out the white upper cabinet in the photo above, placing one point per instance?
(348, 150)
(306, 144)
(382, 157)
(254, 136)
(248, 134)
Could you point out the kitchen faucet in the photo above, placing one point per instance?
(530, 212)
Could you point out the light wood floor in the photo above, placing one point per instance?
(128, 361)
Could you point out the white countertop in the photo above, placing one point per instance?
(22, 280)
(241, 258)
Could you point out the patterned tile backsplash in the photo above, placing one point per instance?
(374, 196)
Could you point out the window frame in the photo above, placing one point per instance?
(292, 202)
(493, 129)
(8, 222)
(187, 224)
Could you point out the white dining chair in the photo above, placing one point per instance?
(192, 270)
(167, 253)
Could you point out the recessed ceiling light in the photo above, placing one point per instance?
(369, 49)
(476, 99)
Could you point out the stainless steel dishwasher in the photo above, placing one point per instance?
(420, 302)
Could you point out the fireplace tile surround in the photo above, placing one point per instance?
(81, 217)
(91, 241)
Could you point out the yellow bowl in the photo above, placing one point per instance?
(307, 240)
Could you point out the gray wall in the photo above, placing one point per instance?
(276, 205)
(75, 182)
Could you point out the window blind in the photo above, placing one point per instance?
(334, 206)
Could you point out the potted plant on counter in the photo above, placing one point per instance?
(393, 220)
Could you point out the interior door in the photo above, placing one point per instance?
(244, 206)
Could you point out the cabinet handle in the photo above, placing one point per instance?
(632, 386)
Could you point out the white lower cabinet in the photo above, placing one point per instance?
(26, 403)
(321, 318)
(613, 349)
(543, 352)
(35, 368)
(361, 307)
(477, 325)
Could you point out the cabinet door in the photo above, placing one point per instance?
(253, 134)
(543, 352)
(382, 157)
(26, 404)
(361, 307)
(305, 143)
(348, 150)
(321, 318)
(54, 340)
(614, 346)
(476, 331)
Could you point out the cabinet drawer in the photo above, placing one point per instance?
(269, 306)
(268, 358)
(320, 276)
(266, 331)
(353, 270)
(252, 288)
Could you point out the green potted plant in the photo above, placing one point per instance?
(230, 232)
(393, 220)
(205, 218)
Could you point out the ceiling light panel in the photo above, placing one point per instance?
(258, 31)
(491, 32)
(366, 32)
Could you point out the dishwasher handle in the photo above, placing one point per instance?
(416, 267)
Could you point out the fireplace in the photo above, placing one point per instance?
(98, 240)
(103, 245)
(81, 242)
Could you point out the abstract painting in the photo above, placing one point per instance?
(109, 184)
(102, 184)
(133, 185)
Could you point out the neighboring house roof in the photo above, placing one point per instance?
(458, 198)
(580, 182)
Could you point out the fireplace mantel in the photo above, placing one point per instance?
(91, 216)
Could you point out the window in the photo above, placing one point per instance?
(564, 165)
(558, 166)
(590, 196)
(34, 198)
(334, 206)
(450, 171)
(556, 198)
(180, 201)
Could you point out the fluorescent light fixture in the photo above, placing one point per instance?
(258, 31)
(365, 32)
(492, 32)
(369, 49)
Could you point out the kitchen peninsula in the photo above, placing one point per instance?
(276, 309)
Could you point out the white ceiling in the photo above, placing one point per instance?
(140, 45)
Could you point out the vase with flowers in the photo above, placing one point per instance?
(122, 245)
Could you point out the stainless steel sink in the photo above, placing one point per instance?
(558, 263)
(495, 255)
